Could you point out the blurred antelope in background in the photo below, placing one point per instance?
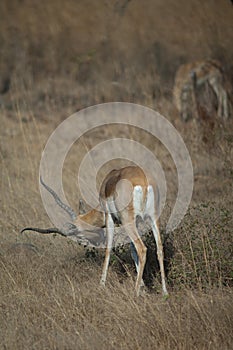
(199, 88)
(127, 185)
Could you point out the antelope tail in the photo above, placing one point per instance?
(68, 209)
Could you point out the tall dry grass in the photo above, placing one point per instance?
(50, 295)
(56, 302)
(52, 63)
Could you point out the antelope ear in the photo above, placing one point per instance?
(82, 208)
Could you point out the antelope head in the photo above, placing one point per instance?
(80, 228)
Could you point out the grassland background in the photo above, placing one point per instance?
(56, 58)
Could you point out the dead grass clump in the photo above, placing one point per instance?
(203, 248)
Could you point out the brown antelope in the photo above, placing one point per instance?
(190, 79)
(127, 185)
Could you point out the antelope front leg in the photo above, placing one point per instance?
(141, 250)
(159, 245)
(110, 233)
(136, 260)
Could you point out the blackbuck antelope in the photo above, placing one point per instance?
(191, 82)
(125, 194)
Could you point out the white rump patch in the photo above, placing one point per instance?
(138, 201)
(150, 202)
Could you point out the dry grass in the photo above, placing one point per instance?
(57, 303)
(49, 286)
